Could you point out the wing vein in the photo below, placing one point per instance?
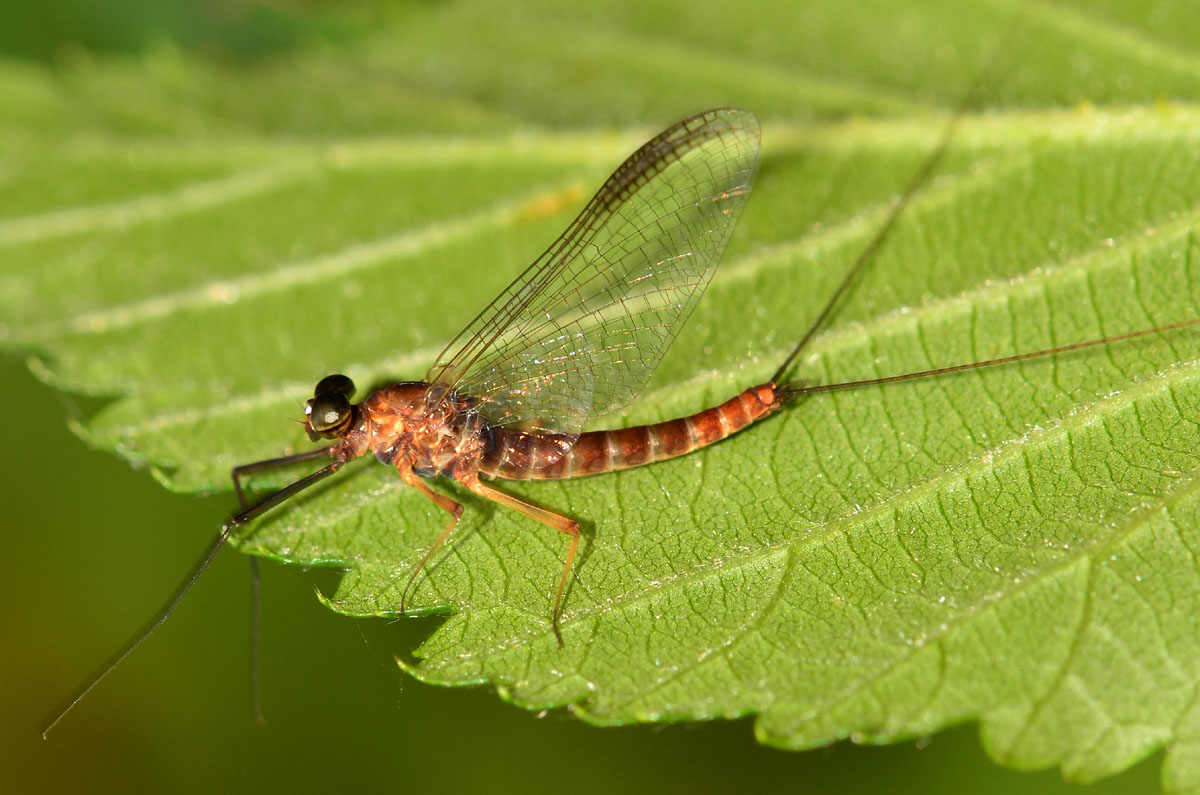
(578, 333)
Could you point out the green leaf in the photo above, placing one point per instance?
(1015, 546)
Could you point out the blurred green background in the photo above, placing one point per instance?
(93, 546)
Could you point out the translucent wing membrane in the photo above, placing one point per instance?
(578, 334)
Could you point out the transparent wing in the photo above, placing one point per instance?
(578, 334)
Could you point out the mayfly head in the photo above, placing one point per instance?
(329, 414)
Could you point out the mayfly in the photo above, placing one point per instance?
(574, 337)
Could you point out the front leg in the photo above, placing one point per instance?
(242, 470)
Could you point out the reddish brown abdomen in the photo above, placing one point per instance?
(521, 456)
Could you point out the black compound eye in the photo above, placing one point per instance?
(334, 383)
(328, 412)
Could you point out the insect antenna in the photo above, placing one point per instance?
(236, 521)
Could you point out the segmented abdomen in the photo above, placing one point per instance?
(519, 456)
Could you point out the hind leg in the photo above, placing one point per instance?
(549, 518)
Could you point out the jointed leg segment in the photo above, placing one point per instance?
(237, 473)
(549, 518)
(441, 501)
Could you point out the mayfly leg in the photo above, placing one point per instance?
(237, 473)
(549, 518)
(440, 500)
(236, 521)
(242, 470)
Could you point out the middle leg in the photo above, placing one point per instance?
(442, 501)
